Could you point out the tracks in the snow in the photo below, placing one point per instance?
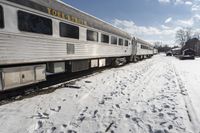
(188, 103)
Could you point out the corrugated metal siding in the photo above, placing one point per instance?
(16, 49)
(144, 52)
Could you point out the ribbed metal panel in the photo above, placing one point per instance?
(16, 49)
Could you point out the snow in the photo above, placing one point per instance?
(157, 95)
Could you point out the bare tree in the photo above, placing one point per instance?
(188, 33)
(161, 47)
(197, 35)
(180, 36)
(183, 35)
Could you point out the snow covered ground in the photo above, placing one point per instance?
(158, 95)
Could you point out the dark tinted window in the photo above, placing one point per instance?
(33, 23)
(120, 42)
(67, 30)
(1, 18)
(113, 40)
(104, 38)
(92, 35)
(144, 47)
(126, 42)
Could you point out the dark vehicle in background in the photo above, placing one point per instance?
(169, 53)
(176, 51)
(187, 54)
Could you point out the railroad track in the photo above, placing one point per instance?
(52, 83)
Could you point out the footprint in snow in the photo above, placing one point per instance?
(170, 127)
(127, 116)
(95, 112)
(102, 101)
(57, 109)
(110, 112)
(71, 131)
(86, 108)
(53, 129)
(88, 81)
(166, 106)
(161, 131)
(162, 123)
(41, 116)
(161, 115)
(39, 124)
(81, 118)
(117, 105)
(64, 125)
(171, 114)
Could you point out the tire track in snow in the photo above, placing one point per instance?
(188, 103)
(146, 78)
(143, 72)
(163, 69)
(143, 76)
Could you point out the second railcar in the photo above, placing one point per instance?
(143, 49)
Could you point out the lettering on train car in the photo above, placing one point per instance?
(50, 11)
(66, 16)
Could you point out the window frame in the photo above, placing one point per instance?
(125, 43)
(36, 15)
(97, 35)
(120, 41)
(64, 23)
(102, 34)
(111, 42)
(144, 46)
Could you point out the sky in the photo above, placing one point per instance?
(151, 20)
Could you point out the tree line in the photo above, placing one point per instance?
(185, 34)
(181, 37)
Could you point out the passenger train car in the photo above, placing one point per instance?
(143, 49)
(41, 37)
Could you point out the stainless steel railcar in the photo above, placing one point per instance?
(38, 37)
(143, 49)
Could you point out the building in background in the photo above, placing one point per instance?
(193, 44)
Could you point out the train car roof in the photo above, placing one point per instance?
(93, 22)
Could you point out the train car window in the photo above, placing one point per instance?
(113, 40)
(144, 47)
(70, 31)
(33, 23)
(126, 42)
(120, 42)
(1, 17)
(92, 36)
(104, 38)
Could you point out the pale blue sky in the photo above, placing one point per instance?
(154, 20)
